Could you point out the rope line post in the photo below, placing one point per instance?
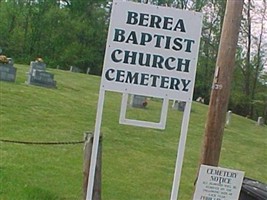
(93, 159)
(88, 144)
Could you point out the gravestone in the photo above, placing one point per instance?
(181, 105)
(175, 105)
(200, 100)
(8, 72)
(35, 65)
(38, 76)
(228, 117)
(178, 105)
(75, 69)
(138, 101)
(260, 121)
(88, 70)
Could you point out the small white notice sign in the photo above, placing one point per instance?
(216, 183)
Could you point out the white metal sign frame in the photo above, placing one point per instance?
(171, 82)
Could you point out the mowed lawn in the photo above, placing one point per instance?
(138, 163)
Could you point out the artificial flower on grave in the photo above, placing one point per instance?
(39, 59)
(145, 103)
(3, 59)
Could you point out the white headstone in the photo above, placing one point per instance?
(228, 117)
(75, 69)
(260, 121)
(88, 70)
(200, 99)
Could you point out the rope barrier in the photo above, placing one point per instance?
(41, 143)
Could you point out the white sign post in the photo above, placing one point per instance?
(215, 183)
(150, 51)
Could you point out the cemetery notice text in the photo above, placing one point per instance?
(215, 183)
(152, 50)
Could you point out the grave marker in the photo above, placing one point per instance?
(260, 121)
(228, 117)
(7, 72)
(200, 99)
(175, 105)
(38, 76)
(74, 69)
(35, 65)
(179, 105)
(138, 101)
(88, 70)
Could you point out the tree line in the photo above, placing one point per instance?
(62, 33)
(73, 33)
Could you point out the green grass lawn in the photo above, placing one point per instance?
(138, 163)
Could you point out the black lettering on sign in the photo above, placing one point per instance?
(155, 21)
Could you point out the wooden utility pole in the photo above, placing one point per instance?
(220, 93)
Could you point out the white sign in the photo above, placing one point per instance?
(151, 51)
(215, 183)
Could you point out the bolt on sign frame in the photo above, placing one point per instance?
(151, 51)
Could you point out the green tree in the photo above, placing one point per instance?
(211, 31)
(67, 34)
(250, 63)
